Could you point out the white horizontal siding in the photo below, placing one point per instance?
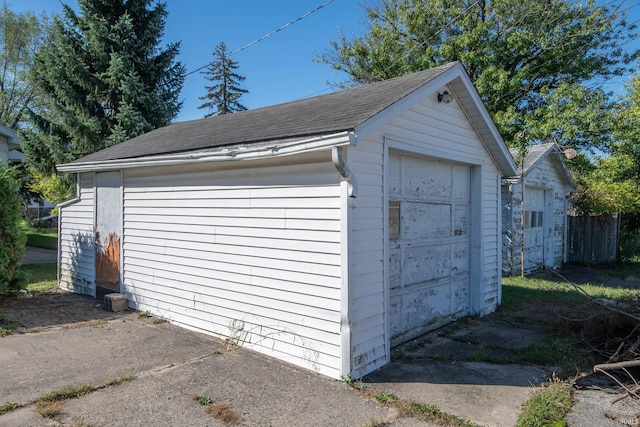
(430, 129)
(76, 241)
(253, 255)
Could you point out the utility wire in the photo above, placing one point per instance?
(288, 24)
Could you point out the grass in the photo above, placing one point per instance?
(407, 408)
(121, 378)
(577, 326)
(41, 278)
(50, 404)
(67, 393)
(547, 407)
(46, 238)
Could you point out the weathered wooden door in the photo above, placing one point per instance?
(429, 244)
(108, 231)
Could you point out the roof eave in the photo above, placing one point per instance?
(227, 153)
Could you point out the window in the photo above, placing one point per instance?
(533, 219)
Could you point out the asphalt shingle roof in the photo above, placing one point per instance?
(320, 115)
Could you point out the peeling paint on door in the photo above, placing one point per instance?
(429, 259)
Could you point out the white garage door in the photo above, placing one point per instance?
(429, 244)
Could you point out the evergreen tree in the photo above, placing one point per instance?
(533, 62)
(105, 80)
(223, 97)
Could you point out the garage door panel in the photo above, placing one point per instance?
(461, 177)
(424, 263)
(460, 296)
(426, 178)
(413, 223)
(421, 304)
(460, 260)
(460, 220)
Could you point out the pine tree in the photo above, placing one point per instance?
(223, 97)
(105, 79)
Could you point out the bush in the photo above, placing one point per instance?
(12, 238)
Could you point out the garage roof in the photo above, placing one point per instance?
(311, 117)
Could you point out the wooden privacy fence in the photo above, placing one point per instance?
(593, 239)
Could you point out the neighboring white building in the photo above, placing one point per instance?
(321, 231)
(8, 143)
(547, 185)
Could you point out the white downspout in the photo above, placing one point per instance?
(341, 166)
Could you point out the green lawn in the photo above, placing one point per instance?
(41, 278)
(46, 238)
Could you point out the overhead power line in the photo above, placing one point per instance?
(258, 40)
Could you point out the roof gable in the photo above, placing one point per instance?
(538, 153)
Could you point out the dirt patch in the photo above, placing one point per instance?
(31, 313)
(473, 339)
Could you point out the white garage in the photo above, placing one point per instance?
(542, 188)
(321, 231)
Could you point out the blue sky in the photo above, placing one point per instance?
(277, 69)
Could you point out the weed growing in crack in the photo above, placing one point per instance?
(8, 407)
(387, 398)
(144, 314)
(121, 378)
(67, 393)
(357, 384)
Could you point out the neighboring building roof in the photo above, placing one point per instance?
(12, 137)
(535, 154)
(322, 115)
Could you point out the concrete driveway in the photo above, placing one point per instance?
(171, 365)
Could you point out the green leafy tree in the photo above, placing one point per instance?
(533, 62)
(105, 80)
(224, 96)
(20, 36)
(611, 183)
(12, 239)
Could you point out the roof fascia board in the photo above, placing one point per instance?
(223, 154)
